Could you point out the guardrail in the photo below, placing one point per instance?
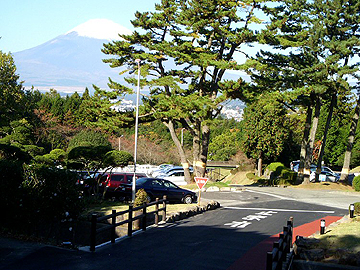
(143, 217)
(276, 258)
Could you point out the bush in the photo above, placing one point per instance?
(141, 197)
(280, 175)
(357, 208)
(356, 183)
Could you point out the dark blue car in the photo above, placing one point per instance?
(157, 188)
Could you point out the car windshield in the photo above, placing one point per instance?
(170, 185)
(141, 181)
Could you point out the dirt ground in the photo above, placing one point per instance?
(241, 179)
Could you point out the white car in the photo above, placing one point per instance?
(326, 175)
(177, 177)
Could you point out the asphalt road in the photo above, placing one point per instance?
(213, 240)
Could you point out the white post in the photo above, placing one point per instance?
(136, 132)
(120, 142)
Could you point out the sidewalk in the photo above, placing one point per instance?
(252, 261)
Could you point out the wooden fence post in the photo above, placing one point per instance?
(113, 222)
(144, 218)
(130, 220)
(157, 212)
(164, 211)
(93, 232)
(269, 260)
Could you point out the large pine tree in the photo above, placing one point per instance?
(185, 48)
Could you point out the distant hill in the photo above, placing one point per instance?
(72, 61)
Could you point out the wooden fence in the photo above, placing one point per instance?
(143, 217)
(277, 257)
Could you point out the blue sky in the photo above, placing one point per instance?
(27, 23)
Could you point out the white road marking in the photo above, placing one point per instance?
(269, 194)
(279, 210)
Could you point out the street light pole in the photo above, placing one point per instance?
(120, 142)
(136, 132)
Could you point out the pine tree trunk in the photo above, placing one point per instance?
(327, 126)
(346, 166)
(197, 163)
(204, 150)
(201, 142)
(310, 144)
(304, 143)
(259, 166)
(183, 159)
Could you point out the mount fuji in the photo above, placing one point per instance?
(72, 61)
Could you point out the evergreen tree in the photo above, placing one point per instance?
(323, 38)
(200, 37)
(265, 129)
(11, 92)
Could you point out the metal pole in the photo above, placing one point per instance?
(136, 131)
(120, 142)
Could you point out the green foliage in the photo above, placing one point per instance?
(141, 197)
(11, 93)
(281, 175)
(117, 158)
(356, 183)
(357, 208)
(264, 128)
(276, 167)
(223, 146)
(36, 194)
(88, 138)
(252, 176)
(19, 131)
(13, 153)
(201, 38)
(54, 158)
(56, 187)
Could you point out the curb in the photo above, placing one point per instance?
(192, 212)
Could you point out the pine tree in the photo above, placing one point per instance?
(185, 48)
(322, 37)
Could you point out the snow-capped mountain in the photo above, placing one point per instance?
(100, 29)
(72, 61)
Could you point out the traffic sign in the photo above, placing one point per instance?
(200, 181)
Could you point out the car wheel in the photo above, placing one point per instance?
(188, 199)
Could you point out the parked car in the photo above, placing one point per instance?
(326, 175)
(161, 169)
(169, 171)
(294, 165)
(112, 181)
(177, 177)
(157, 188)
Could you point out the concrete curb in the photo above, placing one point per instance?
(192, 212)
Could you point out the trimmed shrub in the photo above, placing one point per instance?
(280, 175)
(141, 197)
(357, 208)
(356, 183)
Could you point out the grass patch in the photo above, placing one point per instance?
(344, 236)
(326, 186)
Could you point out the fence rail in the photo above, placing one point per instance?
(276, 258)
(143, 217)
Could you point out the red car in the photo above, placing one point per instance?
(111, 181)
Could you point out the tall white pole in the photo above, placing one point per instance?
(136, 132)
